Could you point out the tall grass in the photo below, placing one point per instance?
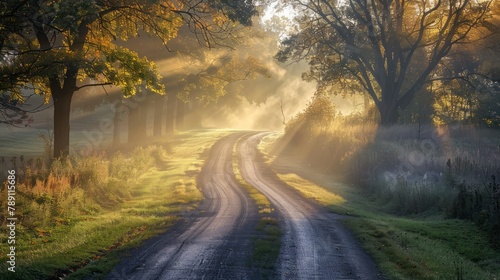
(73, 186)
(409, 169)
(318, 136)
(79, 216)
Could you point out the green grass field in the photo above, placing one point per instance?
(91, 244)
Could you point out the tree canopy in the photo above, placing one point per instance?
(59, 47)
(387, 49)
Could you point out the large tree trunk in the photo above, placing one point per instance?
(134, 124)
(171, 114)
(62, 109)
(388, 107)
(179, 123)
(389, 117)
(192, 115)
(142, 129)
(120, 110)
(158, 115)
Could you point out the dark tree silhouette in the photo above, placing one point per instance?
(62, 45)
(388, 48)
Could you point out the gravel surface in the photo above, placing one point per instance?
(315, 243)
(215, 241)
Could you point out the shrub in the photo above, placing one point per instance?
(73, 186)
(315, 136)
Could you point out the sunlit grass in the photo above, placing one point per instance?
(260, 199)
(92, 244)
(310, 190)
(268, 144)
(404, 248)
(266, 246)
(429, 247)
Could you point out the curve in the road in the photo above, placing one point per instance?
(211, 246)
(315, 243)
(215, 242)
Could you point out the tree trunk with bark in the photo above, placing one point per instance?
(158, 115)
(134, 125)
(389, 115)
(179, 118)
(120, 113)
(62, 108)
(171, 114)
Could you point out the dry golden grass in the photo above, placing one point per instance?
(309, 189)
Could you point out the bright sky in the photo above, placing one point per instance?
(276, 9)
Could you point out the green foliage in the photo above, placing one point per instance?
(487, 112)
(353, 45)
(421, 110)
(481, 205)
(404, 247)
(267, 247)
(317, 136)
(127, 70)
(239, 10)
(216, 81)
(315, 120)
(88, 30)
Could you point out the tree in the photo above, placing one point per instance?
(208, 78)
(71, 45)
(388, 48)
(11, 113)
(471, 95)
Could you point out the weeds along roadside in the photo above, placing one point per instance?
(75, 212)
(449, 170)
(406, 180)
(421, 246)
(447, 173)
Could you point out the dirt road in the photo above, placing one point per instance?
(215, 242)
(315, 243)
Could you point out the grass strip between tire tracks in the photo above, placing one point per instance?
(267, 245)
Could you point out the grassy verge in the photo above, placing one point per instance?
(267, 244)
(267, 247)
(424, 247)
(91, 243)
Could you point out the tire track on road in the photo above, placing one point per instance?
(315, 243)
(216, 244)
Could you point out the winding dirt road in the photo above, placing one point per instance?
(215, 242)
(315, 243)
(211, 244)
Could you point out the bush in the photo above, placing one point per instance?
(479, 204)
(315, 136)
(73, 186)
(410, 169)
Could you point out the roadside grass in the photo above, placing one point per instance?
(418, 247)
(267, 248)
(309, 190)
(260, 199)
(267, 245)
(90, 244)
